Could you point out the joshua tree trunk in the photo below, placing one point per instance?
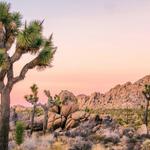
(146, 114)
(32, 118)
(4, 119)
(45, 121)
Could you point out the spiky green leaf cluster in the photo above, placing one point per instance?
(47, 53)
(4, 12)
(30, 38)
(57, 100)
(16, 17)
(8, 18)
(32, 98)
(45, 56)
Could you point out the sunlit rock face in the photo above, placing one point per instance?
(128, 95)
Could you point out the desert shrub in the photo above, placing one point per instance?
(121, 121)
(146, 145)
(81, 145)
(19, 134)
(96, 138)
(125, 117)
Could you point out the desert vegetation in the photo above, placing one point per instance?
(124, 117)
(71, 128)
(115, 120)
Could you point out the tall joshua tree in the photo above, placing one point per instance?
(27, 38)
(146, 93)
(33, 99)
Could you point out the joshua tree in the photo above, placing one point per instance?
(146, 93)
(46, 107)
(27, 38)
(32, 99)
(50, 103)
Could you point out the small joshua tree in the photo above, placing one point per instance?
(19, 135)
(33, 99)
(146, 93)
(46, 107)
(50, 103)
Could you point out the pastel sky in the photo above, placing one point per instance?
(100, 43)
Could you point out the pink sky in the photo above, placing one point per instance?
(100, 44)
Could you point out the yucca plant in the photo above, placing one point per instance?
(19, 134)
(28, 38)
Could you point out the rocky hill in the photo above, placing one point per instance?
(128, 95)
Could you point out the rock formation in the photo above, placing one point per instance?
(128, 95)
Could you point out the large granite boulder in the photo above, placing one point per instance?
(67, 97)
(55, 120)
(68, 109)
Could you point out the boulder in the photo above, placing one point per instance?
(75, 118)
(142, 131)
(84, 129)
(129, 132)
(82, 100)
(78, 115)
(68, 109)
(55, 121)
(71, 123)
(67, 97)
(54, 109)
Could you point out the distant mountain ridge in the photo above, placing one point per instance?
(128, 95)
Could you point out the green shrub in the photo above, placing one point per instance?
(19, 134)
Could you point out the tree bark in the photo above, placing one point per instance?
(4, 119)
(32, 119)
(45, 121)
(146, 114)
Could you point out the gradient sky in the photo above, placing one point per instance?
(100, 43)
